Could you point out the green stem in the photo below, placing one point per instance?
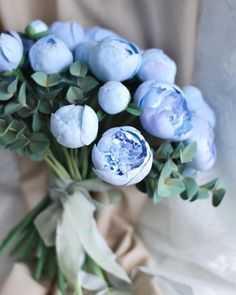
(78, 289)
(41, 255)
(74, 157)
(85, 162)
(57, 166)
(61, 283)
(96, 269)
(69, 163)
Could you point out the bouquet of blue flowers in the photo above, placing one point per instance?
(101, 113)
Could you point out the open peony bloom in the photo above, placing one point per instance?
(122, 156)
(165, 111)
(114, 59)
(50, 55)
(11, 51)
(203, 135)
(156, 65)
(74, 126)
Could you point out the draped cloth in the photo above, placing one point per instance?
(172, 26)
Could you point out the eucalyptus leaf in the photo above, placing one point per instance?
(78, 69)
(191, 188)
(88, 83)
(46, 80)
(22, 94)
(44, 106)
(37, 122)
(12, 87)
(188, 153)
(177, 151)
(11, 108)
(211, 184)
(164, 151)
(134, 110)
(74, 94)
(218, 196)
(4, 94)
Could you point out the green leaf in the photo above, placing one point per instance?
(88, 83)
(78, 69)
(21, 140)
(211, 184)
(37, 122)
(188, 153)
(218, 196)
(74, 94)
(168, 168)
(164, 151)
(46, 80)
(4, 94)
(12, 87)
(22, 94)
(201, 194)
(44, 106)
(177, 151)
(191, 188)
(101, 115)
(134, 110)
(171, 187)
(38, 146)
(11, 108)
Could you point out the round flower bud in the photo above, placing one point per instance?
(36, 27)
(98, 34)
(113, 97)
(83, 50)
(198, 105)
(203, 135)
(156, 65)
(11, 51)
(74, 126)
(114, 59)
(165, 111)
(122, 156)
(50, 55)
(69, 32)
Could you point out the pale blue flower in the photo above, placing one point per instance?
(69, 32)
(113, 97)
(74, 126)
(203, 135)
(50, 55)
(156, 65)
(83, 50)
(114, 59)
(98, 34)
(165, 111)
(198, 105)
(36, 27)
(11, 51)
(122, 156)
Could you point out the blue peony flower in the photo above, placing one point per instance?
(98, 34)
(114, 59)
(122, 156)
(113, 97)
(203, 135)
(36, 27)
(165, 111)
(198, 105)
(50, 55)
(156, 65)
(11, 51)
(83, 50)
(74, 126)
(69, 32)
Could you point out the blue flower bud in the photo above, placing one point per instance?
(122, 156)
(69, 32)
(203, 135)
(74, 126)
(83, 50)
(165, 111)
(113, 97)
(98, 34)
(11, 51)
(156, 65)
(114, 59)
(36, 27)
(50, 55)
(198, 105)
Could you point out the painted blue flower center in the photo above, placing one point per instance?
(125, 152)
